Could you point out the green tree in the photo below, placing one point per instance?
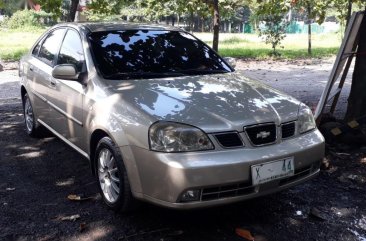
(344, 8)
(315, 11)
(55, 7)
(272, 13)
(9, 7)
(97, 6)
(214, 7)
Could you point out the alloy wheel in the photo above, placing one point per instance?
(108, 175)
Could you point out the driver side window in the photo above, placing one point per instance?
(72, 51)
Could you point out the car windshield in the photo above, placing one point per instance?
(152, 54)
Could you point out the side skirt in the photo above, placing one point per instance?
(64, 139)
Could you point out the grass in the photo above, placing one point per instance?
(265, 53)
(15, 43)
(294, 45)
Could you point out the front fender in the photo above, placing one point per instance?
(109, 121)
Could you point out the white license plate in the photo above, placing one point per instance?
(270, 171)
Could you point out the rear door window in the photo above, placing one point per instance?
(51, 46)
(36, 48)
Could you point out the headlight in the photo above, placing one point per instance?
(306, 120)
(175, 137)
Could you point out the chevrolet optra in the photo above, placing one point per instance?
(163, 118)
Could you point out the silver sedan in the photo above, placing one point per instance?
(163, 118)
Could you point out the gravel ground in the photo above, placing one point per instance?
(37, 175)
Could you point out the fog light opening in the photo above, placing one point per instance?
(191, 196)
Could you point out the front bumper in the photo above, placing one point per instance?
(224, 175)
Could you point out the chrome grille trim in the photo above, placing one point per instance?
(258, 126)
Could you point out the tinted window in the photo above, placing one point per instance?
(51, 46)
(72, 50)
(36, 48)
(147, 53)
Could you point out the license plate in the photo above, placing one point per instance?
(274, 170)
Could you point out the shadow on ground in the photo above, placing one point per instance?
(37, 175)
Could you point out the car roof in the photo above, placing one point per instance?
(119, 25)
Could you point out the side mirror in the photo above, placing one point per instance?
(231, 61)
(65, 71)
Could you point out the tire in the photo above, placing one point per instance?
(112, 177)
(32, 127)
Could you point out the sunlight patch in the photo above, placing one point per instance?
(67, 182)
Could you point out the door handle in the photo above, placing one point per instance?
(31, 69)
(53, 83)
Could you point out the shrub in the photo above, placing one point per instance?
(26, 19)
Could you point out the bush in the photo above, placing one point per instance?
(26, 19)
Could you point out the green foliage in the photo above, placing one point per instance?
(314, 9)
(25, 19)
(341, 7)
(155, 9)
(107, 7)
(11, 6)
(94, 16)
(14, 55)
(273, 16)
(51, 6)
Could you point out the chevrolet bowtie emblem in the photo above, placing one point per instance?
(263, 134)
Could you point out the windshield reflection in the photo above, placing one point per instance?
(152, 54)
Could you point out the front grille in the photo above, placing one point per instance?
(288, 130)
(262, 134)
(233, 190)
(229, 140)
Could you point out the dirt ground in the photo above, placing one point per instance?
(37, 175)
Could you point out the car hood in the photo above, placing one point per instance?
(213, 103)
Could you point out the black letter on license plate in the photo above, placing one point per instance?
(257, 169)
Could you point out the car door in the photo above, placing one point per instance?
(38, 71)
(66, 96)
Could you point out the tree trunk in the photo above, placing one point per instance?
(357, 98)
(309, 30)
(73, 8)
(216, 25)
(349, 12)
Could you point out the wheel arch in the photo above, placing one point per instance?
(126, 154)
(95, 137)
(23, 91)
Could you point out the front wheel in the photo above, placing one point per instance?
(112, 177)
